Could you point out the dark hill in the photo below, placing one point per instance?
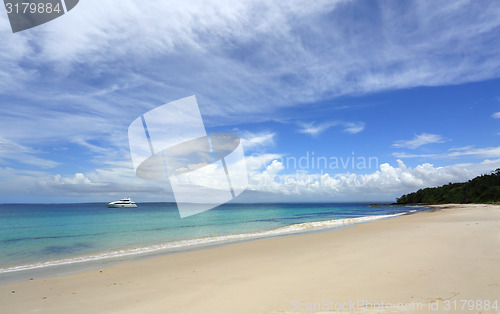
(482, 189)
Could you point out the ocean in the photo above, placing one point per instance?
(43, 236)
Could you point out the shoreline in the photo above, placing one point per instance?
(15, 273)
(448, 253)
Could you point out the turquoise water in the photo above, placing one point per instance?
(39, 235)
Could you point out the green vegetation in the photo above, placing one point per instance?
(482, 189)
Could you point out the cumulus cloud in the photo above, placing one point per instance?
(496, 115)
(77, 178)
(386, 183)
(269, 180)
(419, 140)
(244, 60)
(102, 184)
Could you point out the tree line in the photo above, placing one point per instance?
(481, 189)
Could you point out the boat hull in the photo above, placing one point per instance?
(121, 205)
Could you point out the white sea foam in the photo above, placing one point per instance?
(184, 244)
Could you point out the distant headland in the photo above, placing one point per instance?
(481, 189)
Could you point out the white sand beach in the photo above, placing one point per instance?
(444, 261)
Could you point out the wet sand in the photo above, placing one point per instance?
(427, 262)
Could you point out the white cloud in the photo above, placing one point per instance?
(116, 179)
(17, 185)
(252, 141)
(314, 129)
(78, 178)
(267, 182)
(245, 58)
(19, 153)
(257, 162)
(101, 184)
(496, 115)
(465, 148)
(485, 152)
(406, 155)
(387, 183)
(353, 128)
(419, 140)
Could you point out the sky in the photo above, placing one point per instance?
(334, 101)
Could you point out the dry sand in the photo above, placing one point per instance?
(434, 259)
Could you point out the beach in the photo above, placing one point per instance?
(441, 261)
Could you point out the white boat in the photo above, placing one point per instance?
(124, 202)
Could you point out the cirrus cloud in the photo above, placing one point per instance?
(419, 140)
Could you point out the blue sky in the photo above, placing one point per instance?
(413, 85)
